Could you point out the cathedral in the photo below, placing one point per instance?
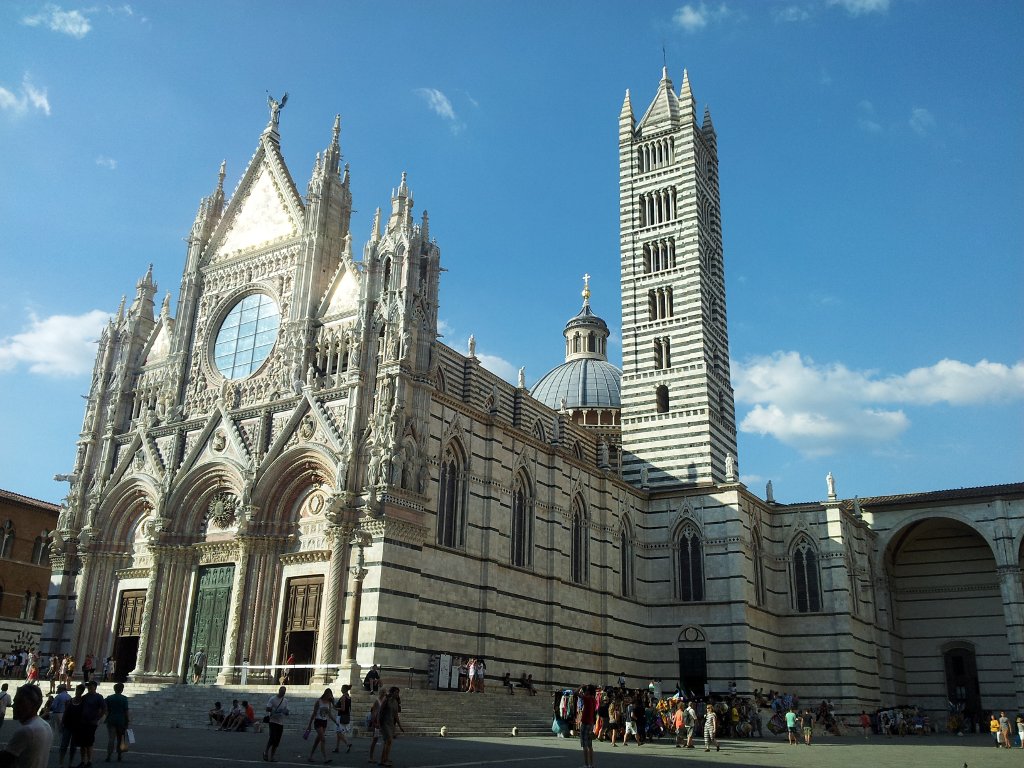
(292, 464)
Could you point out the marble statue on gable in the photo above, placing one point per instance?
(831, 483)
(769, 493)
(472, 345)
(730, 467)
(522, 378)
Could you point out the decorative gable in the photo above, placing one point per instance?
(344, 298)
(263, 217)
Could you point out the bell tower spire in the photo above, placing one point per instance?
(675, 343)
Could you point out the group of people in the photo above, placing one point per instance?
(71, 719)
(471, 674)
(31, 666)
(525, 682)
(999, 726)
(381, 720)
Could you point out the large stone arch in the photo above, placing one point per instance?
(122, 509)
(287, 483)
(944, 587)
(188, 505)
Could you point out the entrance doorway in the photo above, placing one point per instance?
(693, 670)
(962, 679)
(301, 624)
(210, 623)
(129, 629)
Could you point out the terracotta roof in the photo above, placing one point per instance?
(28, 501)
(931, 497)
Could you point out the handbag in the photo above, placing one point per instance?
(266, 718)
(305, 734)
(129, 734)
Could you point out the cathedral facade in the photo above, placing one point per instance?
(293, 464)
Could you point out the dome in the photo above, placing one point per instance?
(583, 382)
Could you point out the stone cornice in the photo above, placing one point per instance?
(302, 558)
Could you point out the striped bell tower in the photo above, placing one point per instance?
(678, 419)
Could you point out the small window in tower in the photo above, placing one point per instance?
(661, 396)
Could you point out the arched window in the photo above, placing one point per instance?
(451, 507)
(625, 559)
(39, 555)
(37, 607)
(386, 278)
(522, 521)
(691, 565)
(758, 563)
(6, 539)
(579, 554)
(661, 397)
(806, 584)
(27, 606)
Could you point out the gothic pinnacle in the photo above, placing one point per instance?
(165, 308)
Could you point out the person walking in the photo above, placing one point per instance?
(29, 745)
(807, 723)
(690, 721)
(323, 712)
(679, 723)
(1004, 729)
(93, 710)
(69, 727)
(5, 702)
(373, 721)
(390, 707)
(117, 721)
(711, 730)
(588, 718)
(277, 708)
(344, 730)
(791, 726)
(198, 666)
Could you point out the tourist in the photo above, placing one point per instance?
(371, 682)
(277, 707)
(807, 723)
(634, 717)
(471, 676)
(390, 707)
(1004, 729)
(5, 702)
(1020, 730)
(216, 714)
(69, 727)
(344, 730)
(865, 723)
(526, 681)
(88, 667)
(58, 708)
(679, 723)
(507, 682)
(464, 674)
(52, 671)
(323, 711)
(588, 717)
(614, 718)
(232, 718)
(29, 745)
(93, 710)
(690, 721)
(108, 669)
(710, 730)
(481, 668)
(791, 726)
(117, 721)
(373, 721)
(198, 666)
(993, 727)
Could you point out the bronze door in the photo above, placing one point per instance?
(129, 628)
(301, 624)
(210, 622)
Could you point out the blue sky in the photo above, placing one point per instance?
(871, 168)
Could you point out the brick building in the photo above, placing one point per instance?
(25, 526)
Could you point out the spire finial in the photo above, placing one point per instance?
(586, 289)
(337, 129)
(221, 174)
(165, 308)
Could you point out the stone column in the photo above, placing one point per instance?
(349, 671)
(142, 665)
(238, 601)
(327, 649)
(258, 563)
(1013, 609)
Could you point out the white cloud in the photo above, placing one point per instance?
(817, 408)
(106, 162)
(438, 102)
(55, 18)
(58, 345)
(862, 7)
(922, 121)
(792, 14)
(18, 104)
(499, 366)
(692, 18)
(867, 121)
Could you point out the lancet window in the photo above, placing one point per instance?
(691, 564)
(451, 499)
(6, 539)
(522, 521)
(579, 554)
(806, 582)
(626, 560)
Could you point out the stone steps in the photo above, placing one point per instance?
(492, 713)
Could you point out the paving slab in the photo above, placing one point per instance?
(161, 747)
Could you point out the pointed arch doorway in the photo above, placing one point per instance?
(693, 661)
